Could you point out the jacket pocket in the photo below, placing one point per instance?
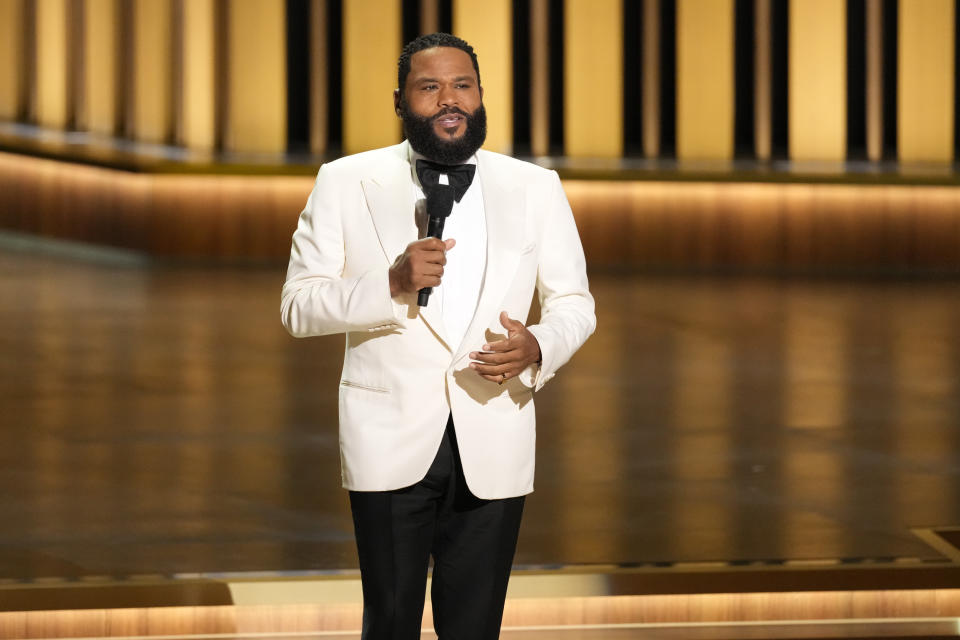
(365, 387)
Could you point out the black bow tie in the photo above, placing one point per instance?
(458, 175)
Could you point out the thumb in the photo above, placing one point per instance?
(449, 244)
(508, 323)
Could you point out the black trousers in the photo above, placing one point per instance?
(472, 542)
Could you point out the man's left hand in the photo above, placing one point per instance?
(505, 359)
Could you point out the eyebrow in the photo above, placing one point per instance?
(457, 79)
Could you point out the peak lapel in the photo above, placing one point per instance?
(389, 198)
(389, 201)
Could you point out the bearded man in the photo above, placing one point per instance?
(436, 402)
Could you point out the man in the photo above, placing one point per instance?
(436, 411)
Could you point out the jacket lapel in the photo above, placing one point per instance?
(389, 198)
(505, 211)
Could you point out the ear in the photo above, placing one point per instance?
(396, 101)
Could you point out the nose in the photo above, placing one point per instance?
(447, 96)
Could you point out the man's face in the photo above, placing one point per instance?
(441, 105)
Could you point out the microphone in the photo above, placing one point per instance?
(440, 199)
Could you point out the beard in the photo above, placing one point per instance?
(424, 140)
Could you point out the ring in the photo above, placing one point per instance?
(503, 377)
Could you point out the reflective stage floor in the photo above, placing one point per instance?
(158, 421)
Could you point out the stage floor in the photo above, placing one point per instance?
(158, 421)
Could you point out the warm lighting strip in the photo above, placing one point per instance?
(925, 90)
(371, 44)
(705, 80)
(487, 27)
(937, 609)
(818, 80)
(633, 224)
(593, 78)
(940, 626)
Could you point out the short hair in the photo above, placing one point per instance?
(429, 41)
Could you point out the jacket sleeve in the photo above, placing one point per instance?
(566, 306)
(316, 298)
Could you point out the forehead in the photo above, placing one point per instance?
(439, 62)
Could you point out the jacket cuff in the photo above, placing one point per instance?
(389, 309)
(537, 374)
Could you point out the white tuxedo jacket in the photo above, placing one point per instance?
(401, 378)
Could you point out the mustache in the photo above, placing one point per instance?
(447, 111)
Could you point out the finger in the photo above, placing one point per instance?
(430, 269)
(432, 257)
(430, 244)
(500, 346)
(501, 377)
(426, 281)
(449, 243)
(496, 370)
(494, 358)
(497, 379)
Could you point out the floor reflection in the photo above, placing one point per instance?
(157, 419)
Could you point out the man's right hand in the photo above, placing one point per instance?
(420, 265)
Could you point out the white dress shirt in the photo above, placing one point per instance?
(462, 279)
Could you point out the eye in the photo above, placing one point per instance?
(428, 87)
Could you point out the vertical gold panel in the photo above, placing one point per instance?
(818, 80)
(371, 46)
(319, 95)
(429, 16)
(257, 82)
(11, 63)
(52, 64)
(705, 79)
(874, 60)
(651, 78)
(100, 80)
(593, 78)
(925, 81)
(152, 100)
(487, 27)
(198, 125)
(763, 81)
(76, 64)
(539, 77)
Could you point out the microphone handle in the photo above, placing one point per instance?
(434, 230)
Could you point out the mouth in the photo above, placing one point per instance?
(449, 122)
